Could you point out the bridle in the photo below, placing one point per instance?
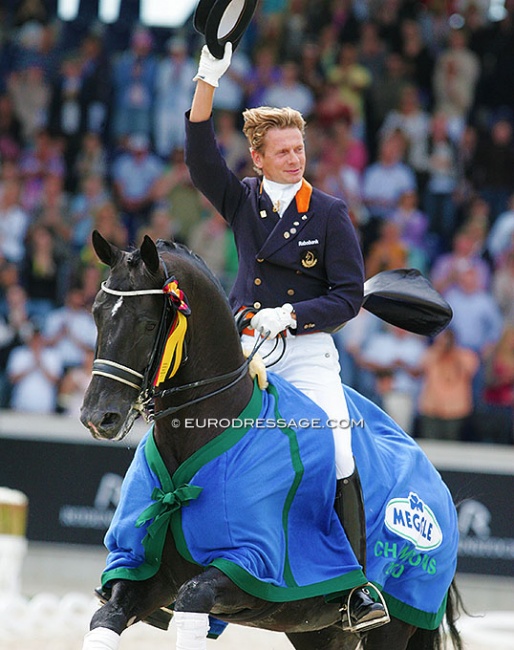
(144, 382)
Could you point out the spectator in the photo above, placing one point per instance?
(30, 95)
(350, 341)
(93, 193)
(455, 77)
(263, 74)
(160, 226)
(71, 329)
(173, 94)
(232, 142)
(176, 189)
(442, 168)
(289, 91)
(493, 166)
(500, 237)
(10, 130)
(371, 50)
(42, 157)
(463, 256)
(384, 182)
(394, 356)
(311, 73)
(446, 398)
(91, 157)
(477, 320)
(108, 222)
(340, 140)
(503, 286)
(73, 386)
(14, 222)
(499, 390)
(388, 252)
(134, 73)
(42, 272)
(413, 227)
(353, 81)
(414, 122)
(135, 174)
(419, 61)
(213, 241)
(15, 330)
(96, 88)
(34, 370)
(67, 113)
(386, 91)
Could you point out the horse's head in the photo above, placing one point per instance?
(142, 318)
(134, 311)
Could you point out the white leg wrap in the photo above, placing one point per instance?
(101, 638)
(192, 630)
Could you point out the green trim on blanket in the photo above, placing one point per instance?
(299, 471)
(415, 616)
(336, 587)
(168, 512)
(176, 492)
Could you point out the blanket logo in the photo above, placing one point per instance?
(413, 520)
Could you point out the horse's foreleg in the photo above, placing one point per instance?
(130, 601)
(195, 599)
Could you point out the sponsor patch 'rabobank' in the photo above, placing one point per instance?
(414, 520)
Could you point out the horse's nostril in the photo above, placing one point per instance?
(110, 419)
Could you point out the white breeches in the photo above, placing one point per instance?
(311, 363)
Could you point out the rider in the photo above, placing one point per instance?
(300, 270)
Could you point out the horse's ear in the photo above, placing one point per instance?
(107, 253)
(149, 254)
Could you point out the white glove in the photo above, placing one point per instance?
(211, 69)
(274, 320)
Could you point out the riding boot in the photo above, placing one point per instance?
(363, 612)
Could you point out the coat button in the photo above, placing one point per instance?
(260, 260)
(304, 218)
(290, 292)
(257, 305)
(286, 235)
(292, 231)
(257, 281)
(296, 223)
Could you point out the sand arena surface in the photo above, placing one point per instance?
(49, 622)
(55, 602)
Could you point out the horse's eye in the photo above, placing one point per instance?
(150, 326)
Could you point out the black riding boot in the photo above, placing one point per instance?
(364, 613)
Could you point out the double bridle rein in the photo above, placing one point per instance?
(142, 382)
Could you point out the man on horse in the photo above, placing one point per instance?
(300, 273)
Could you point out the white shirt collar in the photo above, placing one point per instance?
(281, 194)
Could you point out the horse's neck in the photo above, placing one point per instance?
(213, 351)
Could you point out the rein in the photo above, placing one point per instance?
(140, 382)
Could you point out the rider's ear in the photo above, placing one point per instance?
(149, 254)
(107, 253)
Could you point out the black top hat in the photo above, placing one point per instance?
(223, 20)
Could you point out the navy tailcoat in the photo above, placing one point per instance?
(310, 257)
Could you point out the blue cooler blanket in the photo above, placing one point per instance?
(257, 503)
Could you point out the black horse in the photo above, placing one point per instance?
(210, 381)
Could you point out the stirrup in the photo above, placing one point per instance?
(364, 626)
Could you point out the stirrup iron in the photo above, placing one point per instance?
(364, 626)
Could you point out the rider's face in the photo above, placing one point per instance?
(282, 158)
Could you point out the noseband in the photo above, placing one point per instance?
(142, 382)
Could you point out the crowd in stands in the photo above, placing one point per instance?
(410, 111)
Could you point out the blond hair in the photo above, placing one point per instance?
(258, 121)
